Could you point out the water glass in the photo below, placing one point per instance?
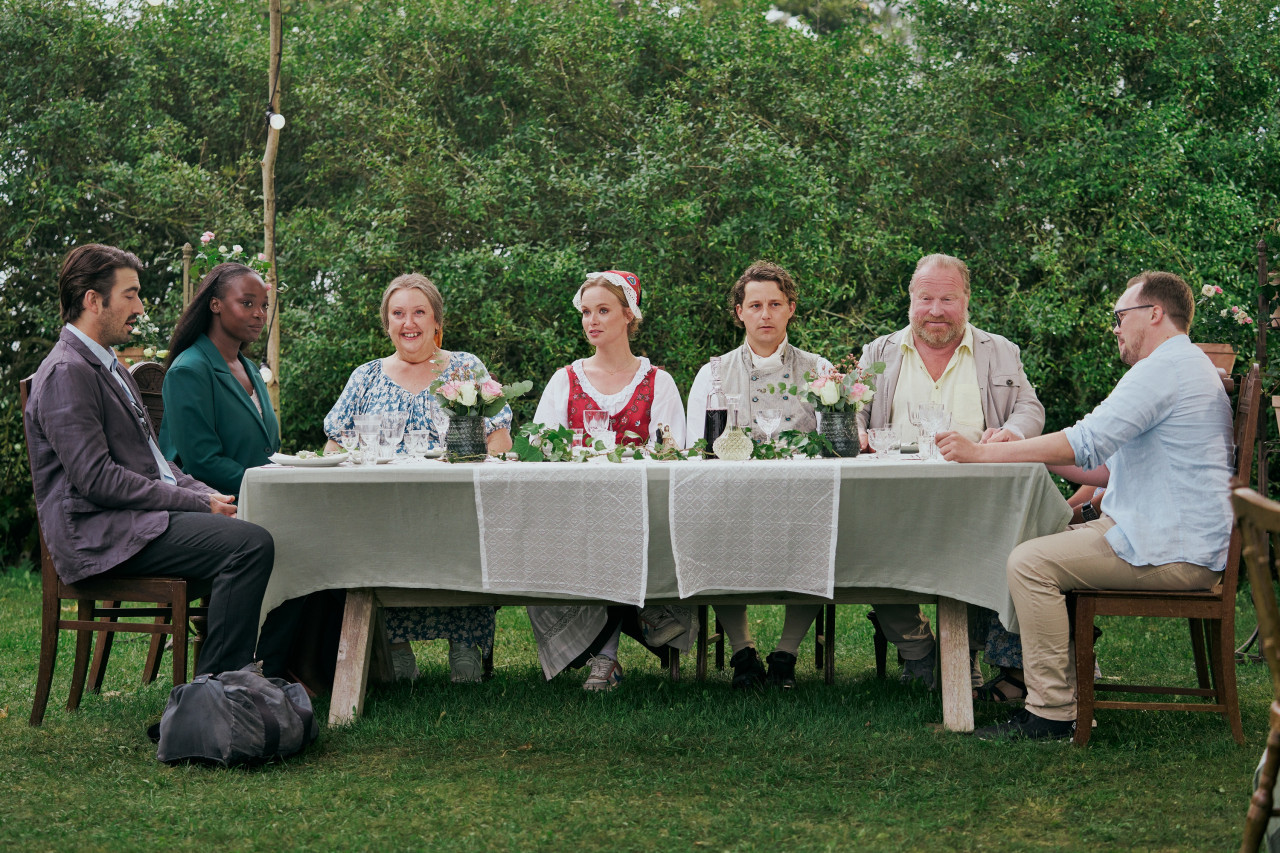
(348, 438)
(388, 443)
(417, 442)
(393, 424)
(597, 423)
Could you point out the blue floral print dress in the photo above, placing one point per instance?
(371, 391)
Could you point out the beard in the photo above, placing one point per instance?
(953, 332)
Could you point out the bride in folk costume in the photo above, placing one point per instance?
(639, 399)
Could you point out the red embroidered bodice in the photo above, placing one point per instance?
(634, 417)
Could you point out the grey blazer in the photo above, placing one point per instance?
(98, 490)
(1008, 400)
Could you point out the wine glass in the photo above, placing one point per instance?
(768, 421)
(393, 424)
(348, 438)
(881, 439)
(367, 427)
(934, 418)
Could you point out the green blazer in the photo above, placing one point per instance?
(211, 428)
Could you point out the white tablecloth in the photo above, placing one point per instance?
(930, 527)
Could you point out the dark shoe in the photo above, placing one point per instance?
(1004, 688)
(1027, 726)
(782, 670)
(748, 671)
(923, 671)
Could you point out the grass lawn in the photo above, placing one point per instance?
(521, 764)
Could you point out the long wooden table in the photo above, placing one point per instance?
(408, 535)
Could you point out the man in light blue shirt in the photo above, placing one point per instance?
(1163, 434)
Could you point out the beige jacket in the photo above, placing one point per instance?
(1008, 400)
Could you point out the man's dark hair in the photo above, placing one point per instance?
(91, 267)
(760, 271)
(1171, 293)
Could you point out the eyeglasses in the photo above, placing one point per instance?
(1119, 318)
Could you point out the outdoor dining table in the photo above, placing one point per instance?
(410, 534)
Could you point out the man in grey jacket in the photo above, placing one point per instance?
(978, 376)
(108, 501)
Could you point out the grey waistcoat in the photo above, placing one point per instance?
(739, 377)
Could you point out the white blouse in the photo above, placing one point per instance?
(668, 407)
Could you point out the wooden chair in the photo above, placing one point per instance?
(1258, 520)
(1210, 616)
(170, 615)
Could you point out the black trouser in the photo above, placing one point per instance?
(233, 559)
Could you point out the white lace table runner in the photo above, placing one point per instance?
(532, 538)
(754, 527)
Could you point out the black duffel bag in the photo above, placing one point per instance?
(237, 717)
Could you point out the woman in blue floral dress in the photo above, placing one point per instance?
(413, 317)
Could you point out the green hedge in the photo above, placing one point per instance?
(505, 148)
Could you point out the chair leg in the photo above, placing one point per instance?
(179, 626)
(155, 654)
(49, 613)
(819, 639)
(881, 644)
(1222, 641)
(700, 655)
(1199, 630)
(101, 652)
(1263, 799)
(674, 664)
(1085, 657)
(719, 645)
(829, 641)
(80, 668)
(201, 624)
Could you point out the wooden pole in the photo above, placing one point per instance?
(188, 293)
(269, 201)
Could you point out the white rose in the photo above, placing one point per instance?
(237, 249)
(1207, 290)
(467, 393)
(222, 249)
(829, 393)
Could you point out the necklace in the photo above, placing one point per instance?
(629, 369)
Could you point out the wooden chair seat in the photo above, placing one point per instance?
(100, 605)
(1210, 616)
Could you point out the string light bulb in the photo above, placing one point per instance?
(265, 372)
(276, 121)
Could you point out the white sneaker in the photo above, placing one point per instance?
(604, 675)
(466, 663)
(660, 625)
(403, 663)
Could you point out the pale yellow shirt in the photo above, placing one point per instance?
(957, 388)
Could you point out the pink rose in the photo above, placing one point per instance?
(490, 390)
(206, 238)
(857, 390)
(450, 391)
(1217, 289)
(816, 385)
(262, 256)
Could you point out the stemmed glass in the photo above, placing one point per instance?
(934, 418)
(768, 421)
(393, 424)
(349, 439)
(596, 422)
(882, 439)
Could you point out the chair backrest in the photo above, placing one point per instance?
(1246, 433)
(150, 378)
(48, 574)
(1258, 521)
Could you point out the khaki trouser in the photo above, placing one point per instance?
(1040, 570)
(733, 618)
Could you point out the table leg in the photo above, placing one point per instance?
(352, 671)
(953, 652)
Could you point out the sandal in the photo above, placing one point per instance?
(996, 691)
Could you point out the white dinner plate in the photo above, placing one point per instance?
(315, 462)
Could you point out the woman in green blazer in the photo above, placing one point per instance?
(218, 419)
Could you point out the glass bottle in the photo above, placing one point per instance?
(717, 416)
(734, 445)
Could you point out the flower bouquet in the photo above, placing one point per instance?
(847, 387)
(468, 400)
